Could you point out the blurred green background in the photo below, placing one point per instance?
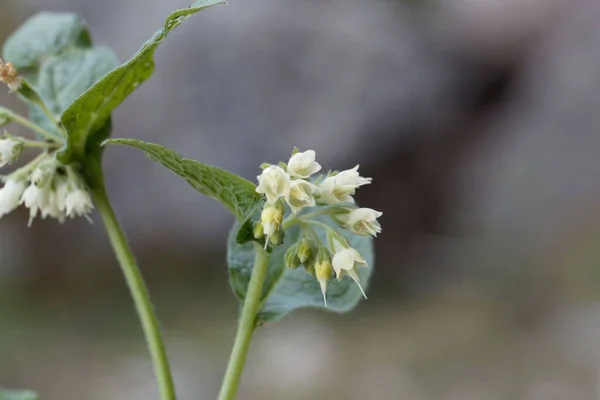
(479, 123)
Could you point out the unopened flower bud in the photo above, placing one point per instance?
(258, 230)
(323, 271)
(291, 257)
(276, 238)
(309, 266)
(305, 249)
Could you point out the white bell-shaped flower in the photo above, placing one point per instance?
(274, 183)
(9, 151)
(10, 195)
(302, 165)
(78, 203)
(341, 187)
(345, 261)
(362, 221)
(37, 199)
(301, 195)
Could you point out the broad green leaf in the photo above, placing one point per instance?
(17, 395)
(54, 52)
(44, 35)
(234, 192)
(286, 290)
(91, 110)
(63, 78)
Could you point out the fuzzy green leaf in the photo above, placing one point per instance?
(17, 395)
(63, 78)
(91, 110)
(234, 192)
(44, 35)
(54, 52)
(286, 290)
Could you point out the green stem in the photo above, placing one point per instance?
(246, 326)
(36, 128)
(138, 289)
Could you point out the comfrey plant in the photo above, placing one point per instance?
(295, 216)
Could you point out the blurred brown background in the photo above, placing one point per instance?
(480, 122)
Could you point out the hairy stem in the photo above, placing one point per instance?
(246, 326)
(34, 127)
(138, 289)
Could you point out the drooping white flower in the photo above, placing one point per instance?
(362, 221)
(10, 195)
(345, 261)
(341, 187)
(302, 165)
(274, 183)
(37, 199)
(9, 151)
(271, 218)
(301, 195)
(78, 203)
(61, 189)
(52, 208)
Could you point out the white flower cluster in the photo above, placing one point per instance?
(42, 186)
(292, 184)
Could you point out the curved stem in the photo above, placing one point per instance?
(138, 289)
(34, 127)
(246, 326)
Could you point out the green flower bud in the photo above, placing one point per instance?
(44, 173)
(276, 238)
(258, 230)
(291, 257)
(309, 267)
(323, 271)
(306, 249)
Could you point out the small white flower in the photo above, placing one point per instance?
(350, 177)
(78, 203)
(271, 218)
(274, 183)
(341, 187)
(61, 189)
(52, 208)
(10, 195)
(37, 199)
(302, 165)
(9, 151)
(301, 195)
(345, 261)
(362, 221)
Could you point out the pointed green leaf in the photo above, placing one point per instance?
(17, 395)
(91, 110)
(286, 290)
(234, 192)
